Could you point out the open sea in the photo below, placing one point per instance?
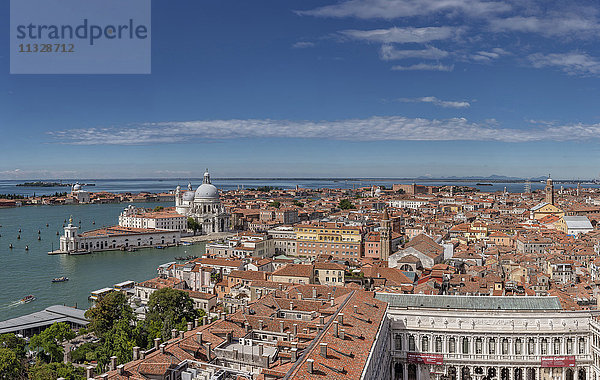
(30, 272)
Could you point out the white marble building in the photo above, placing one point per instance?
(204, 206)
(484, 338)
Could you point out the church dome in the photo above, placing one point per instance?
(207, 191)
(188, 196)
(77, 187)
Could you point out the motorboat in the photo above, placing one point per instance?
(28, 299)
(60, 279)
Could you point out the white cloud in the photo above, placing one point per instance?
(388, 53)
(391, 9)
(303, 44)
(424, 67)
(487, 56)
(573, 63)
(554, 24)
(437, 102)
(392, 128)
(403, 35)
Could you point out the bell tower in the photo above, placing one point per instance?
(385, 236)
(549, 190)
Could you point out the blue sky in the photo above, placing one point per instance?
(359, 88)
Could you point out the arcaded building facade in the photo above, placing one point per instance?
(484, 337)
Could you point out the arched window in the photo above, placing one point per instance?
(451, 345)
(492, 346)
(465, 345)
(438, 344)
(518, 346)
(530, 346)
(556, 346)
(478, 346)
(544, 346)
(504, 346)
(411, 343)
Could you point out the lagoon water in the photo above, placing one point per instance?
(30, 272)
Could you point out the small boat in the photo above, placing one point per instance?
(186, 243)
(19, 230)
(60, 279)
(39, 232)
(18, 237)
(27, 248)
(10, 246)
(56, 233)
(159, 247)
(46, 224)
(131, 249)
(28, 299)
(39, 238)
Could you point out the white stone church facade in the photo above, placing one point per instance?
(204, 206)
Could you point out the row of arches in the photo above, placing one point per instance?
(410, 371)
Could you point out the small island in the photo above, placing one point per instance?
(43, 184)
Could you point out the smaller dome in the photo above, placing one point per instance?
(188, 196)
(76, 187)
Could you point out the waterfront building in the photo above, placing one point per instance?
(34, 323)
(113, 238)
(79, 195)
(162, 220)
(204, 206)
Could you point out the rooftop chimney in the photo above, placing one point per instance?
(196, 322)
(261, 349)
(332, 302)
(199, 337)
(314, 291)
(291, 305)
(205, 320)
(336, 328)
(323, 347)
(281, 326)
(342, 334)
(174, 333)
(190, 326)
(295, 329)
(208, 353)
(113, 363)
(299, 295)
(341, 318)
(121, 369)
(156, 343)
(136, 353)
(142, 354)
(309, 365)
(89, 372)
(294, 352)
(162, 348)
(355, 309)
(260, 324)
(322, 320)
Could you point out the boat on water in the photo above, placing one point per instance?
(159, 247)
(60, 279)
(28, 299)
(186, 243)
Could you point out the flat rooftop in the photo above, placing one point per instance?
(424, 301)
(46, 317)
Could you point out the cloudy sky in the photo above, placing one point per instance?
(358, 88)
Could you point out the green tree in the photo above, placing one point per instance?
(345, 204)
(298, 203)
(158, 208)
(11, 366)
(193, 225)
(169, 308)
(56, 370)
(275, 204)
(48, 341)
(106, 313)
(13, 343)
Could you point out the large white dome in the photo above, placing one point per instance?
(207, 191)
